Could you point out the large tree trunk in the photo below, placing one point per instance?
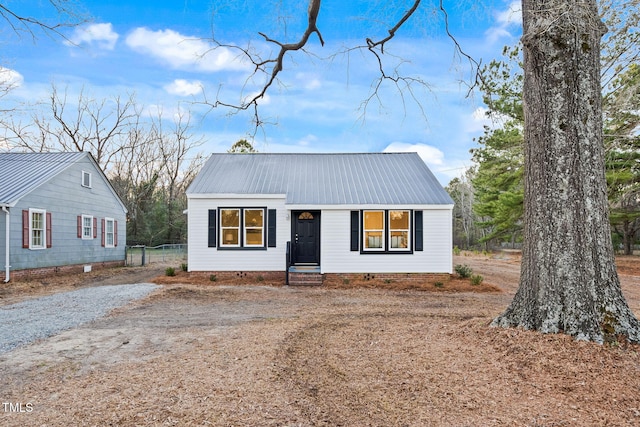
(568, 281)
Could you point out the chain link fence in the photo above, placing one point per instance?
(171, 254)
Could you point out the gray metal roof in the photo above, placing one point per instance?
(324, 179)
(21, 173)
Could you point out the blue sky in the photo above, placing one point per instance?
(155, 50)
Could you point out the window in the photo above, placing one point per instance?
(254, 227)
(87, 227)
(383, 231)
(242, 228)
(37, 229)
(399, 230)
(256, 230)
(109, 233)
(373, 232)
(86, 179)
(230, 227)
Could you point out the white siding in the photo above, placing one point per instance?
(336, 256)
(203, 258)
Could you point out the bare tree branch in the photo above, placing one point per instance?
(67, 10)
(273, 65)
(392, 32)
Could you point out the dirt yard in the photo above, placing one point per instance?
(246, 355)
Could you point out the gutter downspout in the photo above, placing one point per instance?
(6, 235)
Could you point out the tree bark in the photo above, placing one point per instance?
(568, 280)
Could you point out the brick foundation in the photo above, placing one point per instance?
(395, 277)
(254, 276)
(36, 273)
(279, 277)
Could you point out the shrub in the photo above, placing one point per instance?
(438, 284)
(213, 277)
(260, 279)
(463, 271)
(476, 279)
(456, 250)
(184, 267)
(345, 281)
(170, 271)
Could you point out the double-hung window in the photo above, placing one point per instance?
(87, 227)
(399, 231)
(386, 231)
(37, 229)
(254, 227)
(373, 231)
(230, 228)
(242, 227)
(109, 233)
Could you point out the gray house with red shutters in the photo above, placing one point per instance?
(58, 212)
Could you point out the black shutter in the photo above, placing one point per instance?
(355, 230)
(419, 230)
(212, 228)
(271, 228)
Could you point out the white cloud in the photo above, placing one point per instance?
(308, 81)
(307, 140)
(184, 87)
(429, 154)
(507, 20)
(10, 79)
(100, 36)
(479, 119)
(183, 52)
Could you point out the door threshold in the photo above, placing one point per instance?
(298, 268)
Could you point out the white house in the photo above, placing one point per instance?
(371, 213)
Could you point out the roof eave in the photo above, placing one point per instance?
(414, 206)
(234, 196)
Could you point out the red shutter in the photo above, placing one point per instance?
(25, 229)
(79, 226)
(95, 227)
(49, 237)
(115, 233)
(103, 230)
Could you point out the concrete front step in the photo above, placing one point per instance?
(305, 279)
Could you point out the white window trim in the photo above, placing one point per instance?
(245, 228)
(106, 233)
(85, 173)
(382, 230)
(90, 236)
(408, 230)
(239, 228)
(32, 246)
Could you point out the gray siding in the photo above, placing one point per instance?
(65, 198)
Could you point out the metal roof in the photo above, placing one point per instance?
(21, 173)
(324, 179)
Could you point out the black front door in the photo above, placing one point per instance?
(306, 237)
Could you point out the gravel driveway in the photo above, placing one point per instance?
(27, 321)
